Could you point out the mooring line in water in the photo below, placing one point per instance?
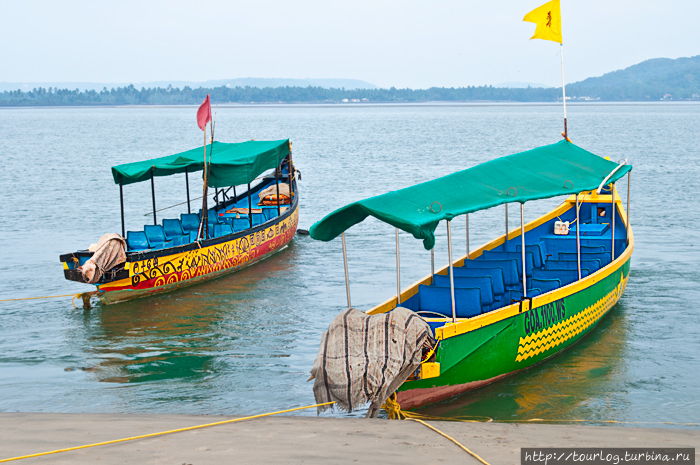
(466, 449)
(189, 428)
(41, 297)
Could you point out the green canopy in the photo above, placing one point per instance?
(231, 164)
(557, 169)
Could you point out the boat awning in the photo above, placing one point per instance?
(557, 169)
(231, 164)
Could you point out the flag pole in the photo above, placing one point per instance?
(563, 90)
(205, 210)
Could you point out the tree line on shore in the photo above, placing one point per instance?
(130, 95)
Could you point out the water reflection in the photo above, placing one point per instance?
(578, 383)
(193, 333)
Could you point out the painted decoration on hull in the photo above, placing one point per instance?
(564, 329)
(170, 269)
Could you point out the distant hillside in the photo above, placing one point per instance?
(653, 79)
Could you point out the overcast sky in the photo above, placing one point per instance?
(403, 43)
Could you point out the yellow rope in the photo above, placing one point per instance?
(42, 297)
(452, 439)
(164, 432)
(393, 409)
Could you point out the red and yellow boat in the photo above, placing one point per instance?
(242, 228)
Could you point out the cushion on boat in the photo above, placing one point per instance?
(484, 284)
(565, 276)
(496, 275)
(517, 295)
(213, 217)
(509, 267)
(172, 228)
(603, 257)
(590, 229)
(239, 224)
(592, 249)
(136, 240)
(539, 252)
(189, 222)
(439, 300)
(269, 212)
(545, 285)
(498, 255)
(222, 230)
(258, 218)
(592, 265)
(155, 234)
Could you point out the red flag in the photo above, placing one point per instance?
(204, 114)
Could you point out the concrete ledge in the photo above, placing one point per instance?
(305, 440)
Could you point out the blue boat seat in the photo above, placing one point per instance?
(214, 218)
(590, 229)
(239, 224)
(545, 285)
(517, 295)
(172, 228)
(496, 275)
(565, 276)
(603, 257)
(173, 232)
(538, 250)
(269, 212)
(258, 218)
(439, 300)
(137, 240)
(592, 249)
(509, 268)
(222, 230)
(498, 255)
(156, 236)
(189, 222)
(484, 284)
(592, 265)
(193, 236)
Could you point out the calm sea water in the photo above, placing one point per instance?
(245, 343)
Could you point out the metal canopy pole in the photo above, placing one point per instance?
(505, 243)
(432, 261)
(153, 195)
(398, 271)
(522, 244)
(629, 173)
(467, 216)
(121, 202)
(612, 221)
(578, 241)
(345, 263)
(187, 184)
(277, 182)
(250, 207)
(452, 280)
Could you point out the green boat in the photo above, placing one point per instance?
(526, 295)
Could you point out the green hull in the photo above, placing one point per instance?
(486, 354)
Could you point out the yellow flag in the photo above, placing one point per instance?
(548, 20)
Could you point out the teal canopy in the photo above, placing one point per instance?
(557, 169)
(231, 164)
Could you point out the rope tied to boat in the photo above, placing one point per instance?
(189, 428)
(84, 296)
